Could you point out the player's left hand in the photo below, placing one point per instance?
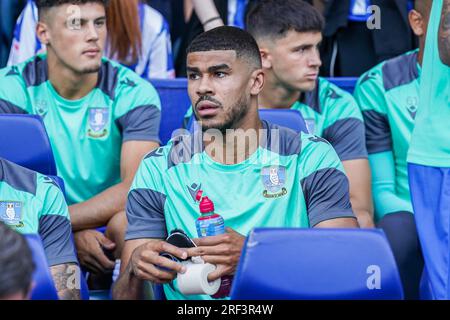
(223, 250)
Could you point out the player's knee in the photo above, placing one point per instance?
(117, 227)
(401, 231)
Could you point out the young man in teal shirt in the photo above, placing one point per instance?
(288, 34)
(101, 119)
(429, 152)
(388, 96)
(275, 178)
(31, 203)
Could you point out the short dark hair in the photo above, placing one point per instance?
(43, 5)
(228, 38)
(274, 18)
(16, 263)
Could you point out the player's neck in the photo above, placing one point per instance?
(237, 145)
(421, 50)
(69, 84)
(276, 96)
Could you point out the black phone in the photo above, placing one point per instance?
(180, 239)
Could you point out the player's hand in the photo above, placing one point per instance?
(223, 250)
(91, 246)
(147, 264)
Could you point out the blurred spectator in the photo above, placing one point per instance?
(139, 38)
(164, 7)
(16, 265)
(350, 48)
(10, 10)
(231, 13)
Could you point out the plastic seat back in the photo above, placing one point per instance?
(314, 264)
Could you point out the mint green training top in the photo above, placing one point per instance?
(32, 203)
(292, 180)
(430, 145)
(388, 96)
(86, 134)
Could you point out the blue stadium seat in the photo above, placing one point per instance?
(60, 182)
(347, 84)
(44, 287)
(291, 119)
(175, 102)
(24, 140)
(316, 264)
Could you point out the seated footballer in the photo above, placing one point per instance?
(101, 118)
(278, 178)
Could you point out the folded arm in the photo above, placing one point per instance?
(96, 212)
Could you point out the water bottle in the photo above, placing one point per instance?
(212, 224)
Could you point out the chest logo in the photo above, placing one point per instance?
(11, 213)
(193, 190)
(41, 108)
(412, 106)
(274, 181)
(98, 120)
(310, 125)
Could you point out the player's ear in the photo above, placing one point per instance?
(42, 32)
(257, 82)
(416, 22)
(266, 58)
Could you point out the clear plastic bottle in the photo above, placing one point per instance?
(212, 224)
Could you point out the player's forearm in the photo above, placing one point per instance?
(364, 217)
(359, 177)
(128, 287)
(64, 282)
(384, 184)
(362, 207)
(206, 11)
(444, 33)
(387, 201)
(97, 211)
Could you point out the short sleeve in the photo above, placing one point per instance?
(370, 96)
(344, 126)
(324, 183)
(55, 228)
(146, 200)
(138, 109)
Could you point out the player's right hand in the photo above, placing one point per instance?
(91, 246)
(147, 264)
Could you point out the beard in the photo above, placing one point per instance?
(232, 118)
(91, 69)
